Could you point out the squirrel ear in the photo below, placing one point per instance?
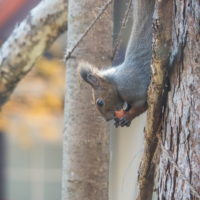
(93, 80)
(87, 73)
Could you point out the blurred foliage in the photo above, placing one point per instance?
(35, 110)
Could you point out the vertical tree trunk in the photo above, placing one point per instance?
(179, 167)
(86, 136)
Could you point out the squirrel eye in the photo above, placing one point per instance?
(100, 102)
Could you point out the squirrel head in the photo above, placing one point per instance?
(105, 93)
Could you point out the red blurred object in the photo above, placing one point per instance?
(13, 12)
(8, 8)
(120, 113)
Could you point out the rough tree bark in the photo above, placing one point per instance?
(86, 136)
(179, 171)
(156, 95)
(28, 41)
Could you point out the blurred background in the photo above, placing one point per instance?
(31, 122)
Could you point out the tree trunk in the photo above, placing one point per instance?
(86, 136)
(179, 166)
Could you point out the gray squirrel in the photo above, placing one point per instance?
(125, 86)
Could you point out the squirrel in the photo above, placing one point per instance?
(125, 86)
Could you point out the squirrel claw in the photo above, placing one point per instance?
(116, 123)
(124, 122)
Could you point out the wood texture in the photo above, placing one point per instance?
(86, 136)
(181, 122)
(156, 95)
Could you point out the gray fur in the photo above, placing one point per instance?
(132, 77)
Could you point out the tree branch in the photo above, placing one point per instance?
(28, 41)
(162, 28)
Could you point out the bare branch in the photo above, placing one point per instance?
(156, 95)
(28, 41)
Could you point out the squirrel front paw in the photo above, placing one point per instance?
(122, 122)
(121, 117)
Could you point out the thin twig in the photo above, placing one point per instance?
(69, 52)
(169, 156)
(123, 25)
